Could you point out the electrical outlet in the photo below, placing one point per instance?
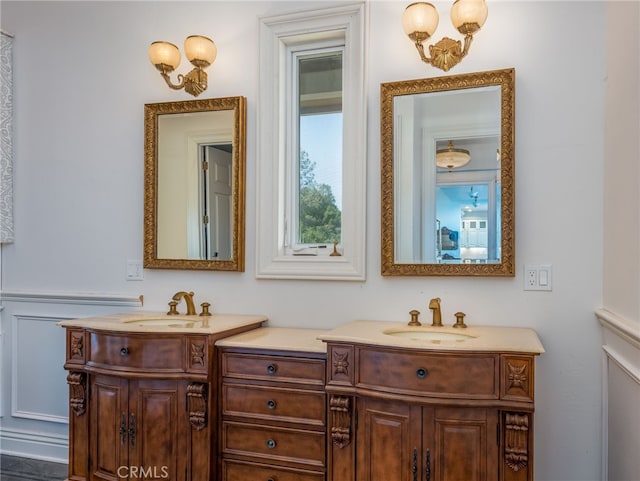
(134, 270)
(537, 277)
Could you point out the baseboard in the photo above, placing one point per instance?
(34, 445)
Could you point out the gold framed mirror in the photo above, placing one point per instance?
(194, 184)
(447, 166)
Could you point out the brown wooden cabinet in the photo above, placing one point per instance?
(134, 425)
(142, 404)
(411, 442)
(273, 415)
(429, 415)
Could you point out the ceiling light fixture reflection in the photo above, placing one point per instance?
(452, 158)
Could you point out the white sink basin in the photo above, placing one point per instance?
(162, 322)
(428, 335)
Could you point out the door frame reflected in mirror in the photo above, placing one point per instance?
(389, 122)
(236, 136)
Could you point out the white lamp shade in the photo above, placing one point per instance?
(200, 49)
(473, 12)
(164, 53)
(420, 17)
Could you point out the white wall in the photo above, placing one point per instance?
(82, 77)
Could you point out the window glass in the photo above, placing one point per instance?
(319, 199)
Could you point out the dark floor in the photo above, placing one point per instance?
(13, 468)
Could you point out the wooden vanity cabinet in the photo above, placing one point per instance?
(273, 415)
(142, 404)
(420, 415)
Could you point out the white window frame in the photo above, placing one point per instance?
(277, 142)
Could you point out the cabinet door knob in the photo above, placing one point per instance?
(422, 373)
(271, 444)
(272, 368)
(124, 351)
(271, 404)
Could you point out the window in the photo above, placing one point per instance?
(311, 145)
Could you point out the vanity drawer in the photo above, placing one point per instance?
(236, 471)
(274, 443)
(128, 352)
(428, 374)
(296, 370)
(275, 404)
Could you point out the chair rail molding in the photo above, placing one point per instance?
(77, 298)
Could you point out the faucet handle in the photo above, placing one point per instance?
(205, 309)
(173, 308)
(460, 320)
(414, 318)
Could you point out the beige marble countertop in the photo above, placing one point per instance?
(146, 321)
(477, 338)
(280, 338)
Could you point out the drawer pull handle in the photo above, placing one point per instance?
(271, 444)
(271, 404)
(422, 373)
(272, 368)
(124, 351)
(271, 479)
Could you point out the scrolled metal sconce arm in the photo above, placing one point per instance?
(194, 83)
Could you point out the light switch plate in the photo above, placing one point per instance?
(537, 277)
(134, 270)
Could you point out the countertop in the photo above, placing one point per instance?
(134, 322)
(279, 338)
(481, 338)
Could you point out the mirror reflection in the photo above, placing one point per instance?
(447, 164)
(194, 184)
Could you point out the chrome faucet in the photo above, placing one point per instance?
(434, 305)
(188, 299)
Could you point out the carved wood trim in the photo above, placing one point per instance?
(340, 407)
(197, 353)
(76, 344)
(516, 445)
(197, 400)
(517, 376)
(341, 363)
(77, 382)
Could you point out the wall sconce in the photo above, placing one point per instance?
(452, 158)
(420, 20)
(201, 52)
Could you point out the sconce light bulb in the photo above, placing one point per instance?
(165, 56)
(201, 51)
(420, 20)
(468, 16)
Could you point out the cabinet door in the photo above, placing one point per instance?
(389, 441)
(109, 435)
(460, 443)
(138, 429)
(157, 427)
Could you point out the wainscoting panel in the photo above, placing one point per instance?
(620, 396)
(34, 399)
(38, 385)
